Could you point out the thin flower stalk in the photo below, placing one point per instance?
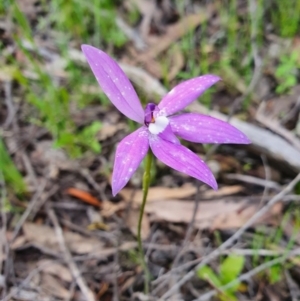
(146, 184)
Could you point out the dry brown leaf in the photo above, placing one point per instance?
(109, 208)
(55, 269)
(159, 193)
(104, 253)
(165, 193)
(108, 130)
(223, 191)
(83, 196)
(212, 215)
(18, 242)
(45, 236)
(52, 286)
(132, 223)
(236, 219)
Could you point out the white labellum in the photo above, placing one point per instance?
(161, 122)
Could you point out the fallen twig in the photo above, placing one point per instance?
(173, 277)
(253, 180)
(87, 293)
(276, 127)
(11, 111)
(4, 247)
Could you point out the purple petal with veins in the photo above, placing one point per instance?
(168, 135)
(114, 83)
(205, 129)
(129, 154)
(182, 159)
(185, 93)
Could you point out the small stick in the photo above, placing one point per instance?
(4, 247)
(88, 294)
(253, 180)
(187, 236)
(9, 104)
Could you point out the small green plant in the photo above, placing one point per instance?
(286, 17)
(11, 176)
(196, 63)
(266, 238)
(77, 144)
(4, 4)
(88, 20)
(286, 72)
(230, 269)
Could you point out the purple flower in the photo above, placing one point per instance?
(159, 124)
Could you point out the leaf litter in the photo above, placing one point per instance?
(105, 255)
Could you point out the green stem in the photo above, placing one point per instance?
(146, 184)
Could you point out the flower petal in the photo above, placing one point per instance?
(205, 129)
(182, 159)
(185, 93)
(129, 154)
(168, 135)
(114, 83)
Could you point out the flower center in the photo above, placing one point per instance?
(155, 123)
(150, 109)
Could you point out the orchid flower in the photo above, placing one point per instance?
(159, 126)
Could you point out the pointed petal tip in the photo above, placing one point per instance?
(115, 190)
(211, 182)
(215, 186)
(247, 140)
(216, 78)
(117, 187)
(243, 139)
(209, 79)
(90, 50)
(85, 47)
(129, 153)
